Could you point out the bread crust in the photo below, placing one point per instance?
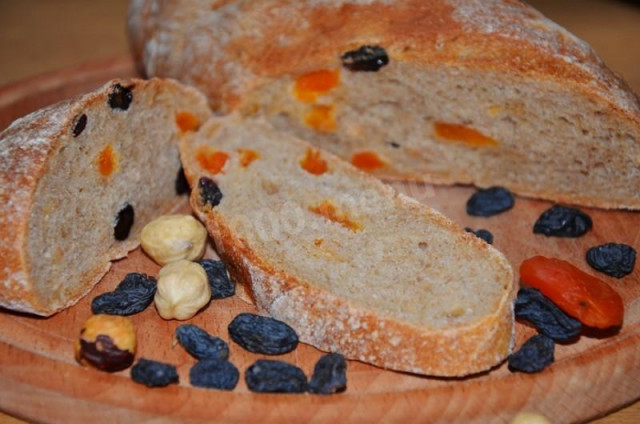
(26, 147)
(230, 46)
(334, 324)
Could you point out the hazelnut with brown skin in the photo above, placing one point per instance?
(107, 342)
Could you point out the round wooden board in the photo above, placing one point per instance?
(39, 379)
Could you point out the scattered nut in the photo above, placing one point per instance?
(107, 342)
(183, 289)
(170, 238)
(530, 418)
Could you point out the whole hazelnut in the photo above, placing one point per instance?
(183, 289)
(170, 238)
(107, 342)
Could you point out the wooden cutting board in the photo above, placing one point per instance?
(39, 379)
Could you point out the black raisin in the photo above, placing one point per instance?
(366, 58)
(613, 259)
(209, 192)
(79, 126)
(201, 344)
(154, 373)
(394, 144)
(490, 201)
(120, 97)
(329, 375)
(561, 221)
(134, 293)
(123, 223)
(219, 281)
(214, 374)
(260, 334)
(266, 376)
(535, 355)
(533, 306)
(482, 234)
(181, 184)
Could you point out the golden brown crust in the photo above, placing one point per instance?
(25, 150)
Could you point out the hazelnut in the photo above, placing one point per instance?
(530, 418)
(183, 289)
(107, 342)
(170, 238)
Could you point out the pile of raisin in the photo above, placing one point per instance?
(614, 259)
(259, 334)
(219, 281)
(200, 344)
(490, 201)
(366, 58)
(154, 374)
(542, 313)
(562, 221)
(134, 293)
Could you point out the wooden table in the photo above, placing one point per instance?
(38, 36)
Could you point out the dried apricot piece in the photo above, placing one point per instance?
(187, 121)
(211, 159)
(329, 211)
(367, 161)
(309, 86)
(322, 118)
(580, 295)
(247, 157)
(457, 132)
(107, 161)
(313, 163)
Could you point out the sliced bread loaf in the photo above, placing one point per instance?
(487, 92)
(353, 266)
(78, 181)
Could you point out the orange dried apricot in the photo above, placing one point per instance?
(457, 132)
(313, 164)
(211, 159)
(309, 86)
(317, 242)
(107, 161)
(329, 211)
(247, 157)
(321, 118)
(367, 161)
(580, 295)
(187, 121)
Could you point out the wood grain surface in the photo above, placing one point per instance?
(40, 381)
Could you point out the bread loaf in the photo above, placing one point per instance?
(353, 266)
(78, 181)
(487, 92)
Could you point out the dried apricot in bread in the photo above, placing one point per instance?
(350, 264)
(488, 92)
(78, 181)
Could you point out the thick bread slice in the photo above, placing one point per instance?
(67, 171)
(487, 92)
(352, 265)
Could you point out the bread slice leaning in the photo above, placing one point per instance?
(353, 266)
(484, 92)
(78, 181)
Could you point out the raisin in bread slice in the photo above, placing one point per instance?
(78, 181)
(353, 266)
(487, 92)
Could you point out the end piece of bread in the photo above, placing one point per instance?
(353, 266)
(484, 92)
(78, 181)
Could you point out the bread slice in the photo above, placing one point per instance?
(353, 266)
(78, 181)
(483, 92)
